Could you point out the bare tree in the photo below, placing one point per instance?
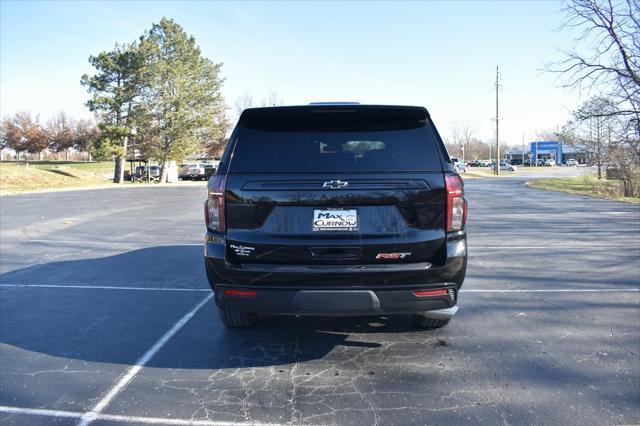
(85, 135)
(219, 140)
(272, 99)
(477, 150)
(243, 102)
(607, 52)
(546, 135)
(461, 138)
(606, 58)
(467, 136)
(246, 101)
(592, 128)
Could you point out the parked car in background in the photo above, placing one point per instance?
(572, 162)
(549, 162)
(209, 170)
(504, 166)
(459, 165)
(196, 171)
(338, 210)
(143, 173)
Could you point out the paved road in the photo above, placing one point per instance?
(108, 280)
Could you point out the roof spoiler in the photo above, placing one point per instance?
(334, 103)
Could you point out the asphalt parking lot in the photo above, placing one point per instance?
(106, 318)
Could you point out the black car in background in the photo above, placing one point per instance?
(337, 210)
(143, 174)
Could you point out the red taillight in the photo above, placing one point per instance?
(214, 206)
(240, 293)
(427, 293)
(456, 204)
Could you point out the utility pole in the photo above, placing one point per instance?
(497, 171)
(522, 149)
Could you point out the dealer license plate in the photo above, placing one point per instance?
(335, 220)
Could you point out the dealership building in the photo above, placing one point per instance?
(544, 150)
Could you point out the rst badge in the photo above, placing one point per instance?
(386, 256)
(335, 220)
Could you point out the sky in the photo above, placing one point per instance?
(441, 55)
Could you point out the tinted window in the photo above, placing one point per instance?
(327, 149)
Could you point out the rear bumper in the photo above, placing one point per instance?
(340, 290)
(336, 302)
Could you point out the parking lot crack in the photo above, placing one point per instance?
(291, 403)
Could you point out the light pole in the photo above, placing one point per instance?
(497, 171)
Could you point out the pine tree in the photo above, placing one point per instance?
(181, 94)
(116, 88)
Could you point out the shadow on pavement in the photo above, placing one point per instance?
(112, 326)
(162, 266)
(116, 326)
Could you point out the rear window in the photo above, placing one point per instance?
(326, 145)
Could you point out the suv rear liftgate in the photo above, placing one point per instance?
(335, 210)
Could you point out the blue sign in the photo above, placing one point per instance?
(547, 147)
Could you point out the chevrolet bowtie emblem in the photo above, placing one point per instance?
(335, 184)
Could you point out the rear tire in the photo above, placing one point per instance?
(232, 318)
(428, 323)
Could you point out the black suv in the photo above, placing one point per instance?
(335, 210)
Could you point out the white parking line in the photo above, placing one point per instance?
(115, 243)
(92, 415)
(577, 245)
(552, 290)
(557, 246)
(180, 422)
(107, 287)
(40, 412)
(123, 419)
(206, 290)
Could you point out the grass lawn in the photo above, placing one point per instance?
(52, 175)
(584, 185)
(484, 172)
(90, 166)
(476, 172)
(60, 175)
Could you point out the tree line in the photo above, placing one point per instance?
(157, 96)
(24, 133)
(461, 143)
